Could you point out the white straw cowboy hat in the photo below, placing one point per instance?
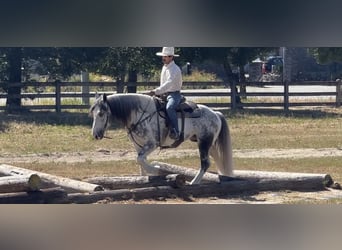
(167, 51)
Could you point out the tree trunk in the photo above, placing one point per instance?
(66, 183)
(188, 173)
(120, 80)
(10, 184)
(228, 71)
(124, 194)
(242, 82)
(202, 190)
(47, 196)
(173, 180)
(132, 78)
(13, 102)
(275, 180)
(235, 99)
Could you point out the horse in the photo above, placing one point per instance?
(147, 130)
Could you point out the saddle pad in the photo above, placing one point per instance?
(195, 114)
(189, 108)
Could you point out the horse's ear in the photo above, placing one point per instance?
(97, 96)
(104, 97)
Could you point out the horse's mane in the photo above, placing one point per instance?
(122, 105)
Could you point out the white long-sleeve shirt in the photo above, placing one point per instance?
(170, 79)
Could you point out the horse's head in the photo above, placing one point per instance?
(100, 111)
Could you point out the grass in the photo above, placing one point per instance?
(71, 132)
(20, 138)
(265, 131)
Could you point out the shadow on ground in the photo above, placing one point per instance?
(48, 118)
(83, 119)
(67, 118)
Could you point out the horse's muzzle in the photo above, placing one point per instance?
(98, 136)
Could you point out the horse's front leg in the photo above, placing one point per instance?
(145, 167)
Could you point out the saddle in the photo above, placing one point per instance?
(186, 108)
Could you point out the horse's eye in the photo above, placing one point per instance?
(101, 114)
(104, 108)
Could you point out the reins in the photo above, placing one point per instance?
(131, 130)
(133, 127)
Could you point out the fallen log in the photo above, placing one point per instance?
(122, 194)
(47, 196)
(69, 184)
(10, 184)
(129, 182)
(321, 180)
(189, 173)
(275, 180)
(247, 187)
(185, 192)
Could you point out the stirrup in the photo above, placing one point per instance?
(174, 135)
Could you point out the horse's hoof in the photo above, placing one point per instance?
(193, 183)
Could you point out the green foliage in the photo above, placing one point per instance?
(226, 56)
(201, 76)
(57, 63)
(118, 61)
(325, 55)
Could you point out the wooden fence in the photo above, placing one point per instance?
(54, 95)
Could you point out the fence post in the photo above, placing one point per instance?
(233, 95)
(119, 86)
(338, 94)
(286, 96)
(85, 87)
(58, 96)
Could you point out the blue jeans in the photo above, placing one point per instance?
(173, 100)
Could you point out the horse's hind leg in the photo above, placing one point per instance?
(204, 146)
(145, 167)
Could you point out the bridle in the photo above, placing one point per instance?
(131, 130)
(133, 126)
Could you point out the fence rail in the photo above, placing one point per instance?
(53, 96)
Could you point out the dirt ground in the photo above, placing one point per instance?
(328, 196)
(102, 155)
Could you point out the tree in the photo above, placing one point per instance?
(326, 55)
(228, 57)
(330, 57)
(58, 63)
(14, 65)
(120, 62)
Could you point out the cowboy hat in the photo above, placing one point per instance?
(167, 51)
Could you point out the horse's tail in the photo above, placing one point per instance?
(221, 150)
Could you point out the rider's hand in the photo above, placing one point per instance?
(151, 93)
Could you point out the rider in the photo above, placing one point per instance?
(170, 85)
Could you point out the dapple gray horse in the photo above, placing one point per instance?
(148, 130)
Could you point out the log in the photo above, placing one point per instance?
(203, 190)
(189, 173)
(69, 184)
(275, 180)
(27, 183)
(185, 192)
(129, 182)
(53, 195)
(322, 180)
(122, 194)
